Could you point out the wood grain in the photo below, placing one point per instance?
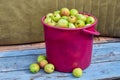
(109, 26)
(117, 19)
(71, 4)
(105, 64)
(62, 4)
(87, 6)
(101, 53)
(102, 16)
(42, 44)
(95, 9)
(79, 5)
(110, 70)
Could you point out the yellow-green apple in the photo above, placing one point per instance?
(81, 17)
(72, 19)
(56, 17)
(41, 57)
(77, 72)
(90, 20)
(79, 23)
(64, 12)
(49, 15)
(62, 23)
(49, 68)
(64, 17)
(73, 12)
(34, 68)
(71, 25)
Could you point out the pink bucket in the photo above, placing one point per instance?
(69, 48)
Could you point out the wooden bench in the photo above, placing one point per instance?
(15, 61)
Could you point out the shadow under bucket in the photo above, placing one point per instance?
(69, 48)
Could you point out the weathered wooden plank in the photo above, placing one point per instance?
(51, 6)
(16, 63)
(106, 45)
(22, 47)
(62, 3)
(110, 17)
(102, 16)
(39, 9)
(70, 4)
(42, 45)
(95, 9)
(105, 40)
(101, 53)
(105, 55)
(87, 6)
(79, 5)
(38, 50)
(116, 30)
(94, 72)
(22, 52)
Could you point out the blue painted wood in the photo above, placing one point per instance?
(106, 45)
(105, 64)
(15, 58)
(22, 52)
(94, 72)
(40, 51)
(16, 62)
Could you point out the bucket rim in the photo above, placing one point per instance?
(88, 26)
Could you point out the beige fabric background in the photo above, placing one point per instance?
(20, 19)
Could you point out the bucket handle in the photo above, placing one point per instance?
(93, 32)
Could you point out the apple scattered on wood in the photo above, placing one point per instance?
(34, 68)
(49, 67)
(68, 18)
(42, 62)
(77, 72)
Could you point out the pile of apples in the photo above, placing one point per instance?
(65, 18)
(41, 63)
(48, 67)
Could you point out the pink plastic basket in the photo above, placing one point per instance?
(69, 48)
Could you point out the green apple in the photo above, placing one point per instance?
(41, 57)
(64, 12)
(57, 12)
(81, 17)
(64, 17)
(49, 15)
(73, 12)
(34, 68)
(52, 23)
(49, 68)
(62, 23)
(90, 20)
(56, 17)
(72, 19)
(42, 63)
(47, 20)
(77, 72)
(71, 25)
(87, 24)
(79, 23)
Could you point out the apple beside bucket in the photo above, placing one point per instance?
(69, 38)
